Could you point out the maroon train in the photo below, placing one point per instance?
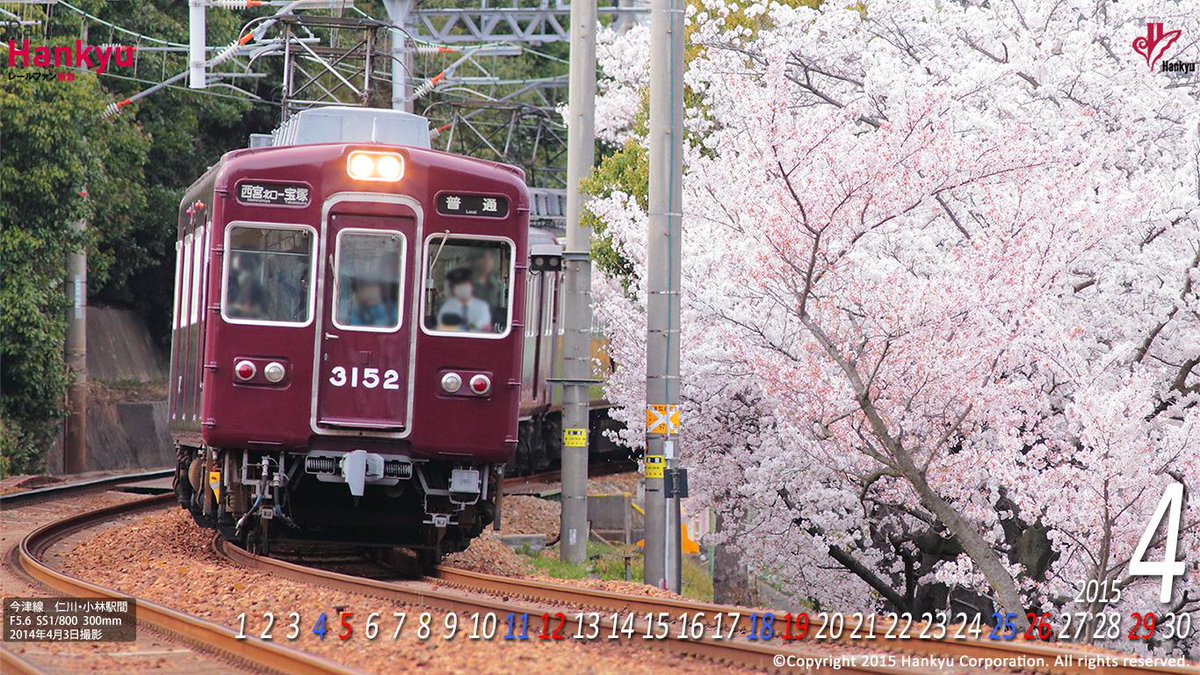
(362, 337)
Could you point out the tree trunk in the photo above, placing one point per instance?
(731, 578)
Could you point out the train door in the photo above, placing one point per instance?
(363, 329)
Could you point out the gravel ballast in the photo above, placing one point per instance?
(166, 558)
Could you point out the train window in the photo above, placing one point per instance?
(367, 288)
(548, 312)
(197, 271)
(185, 275)
(178, 281)
(531, 285)
(468, 287)
(268, 274)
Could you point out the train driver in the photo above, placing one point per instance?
(463, 311)
(368, 308)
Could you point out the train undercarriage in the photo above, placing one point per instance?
(257, 497)
(432, 507)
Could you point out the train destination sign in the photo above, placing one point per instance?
(487, 206)
(274, 194)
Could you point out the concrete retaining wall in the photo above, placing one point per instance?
(127, 413)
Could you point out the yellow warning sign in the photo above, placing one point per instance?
(214, 481)
(662, 420)
(654, 466)
(575, 438)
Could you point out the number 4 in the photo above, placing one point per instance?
(1168, 568)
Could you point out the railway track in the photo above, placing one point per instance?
(734, 652)
(210, 636)
(465, 591)
(549, 592)
(14, 499)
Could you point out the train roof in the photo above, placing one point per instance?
(323, 129)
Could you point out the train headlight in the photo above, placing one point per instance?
(274, 371)
(245, 370)
(481, 385)
(451, 383)
(387, 167)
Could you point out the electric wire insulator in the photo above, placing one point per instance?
(430, 50)
(226, 54)
(236, 4)
(114, 108)
(430, 85)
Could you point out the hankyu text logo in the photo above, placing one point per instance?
(1155, 43)
(98, 59)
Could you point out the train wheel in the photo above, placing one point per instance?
(257, 539)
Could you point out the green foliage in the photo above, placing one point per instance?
(608, 563)
(135, 167)
(54, 146)
(626, 170)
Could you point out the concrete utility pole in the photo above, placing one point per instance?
(75, 443)
(663, 254)
(197, 47)
(577, 319)
(402, 56)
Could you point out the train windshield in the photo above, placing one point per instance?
(367, 293)
(268, 277)
(468, 286)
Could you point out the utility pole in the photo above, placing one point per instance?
(197, 48)
(402, 55)
(663, 253)
(577, 320)
(75, 443)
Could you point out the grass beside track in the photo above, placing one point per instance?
(607, 562)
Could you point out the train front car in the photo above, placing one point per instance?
(347, 351)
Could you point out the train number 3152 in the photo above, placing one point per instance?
(370, 377)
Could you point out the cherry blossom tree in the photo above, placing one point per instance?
(942, 298)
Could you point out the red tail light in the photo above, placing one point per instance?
(481, 385)
(245, 370)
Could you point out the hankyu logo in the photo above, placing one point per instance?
(97, 59)
(1155, 43)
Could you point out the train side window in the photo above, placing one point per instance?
(548, 314)
(178, 281)
(531, 284)
(268, 274)
(558, 309)
(368, 286)
(185, 285)
(468, 286)
(197, 274)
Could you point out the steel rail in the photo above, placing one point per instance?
(266, 655)
(746, 654)
(55, 491)
(13, 663)
(550, 592)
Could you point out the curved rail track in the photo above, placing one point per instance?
(14, 499)
(734, 652)
(264, 655)
(549, 592)
(465, 591)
